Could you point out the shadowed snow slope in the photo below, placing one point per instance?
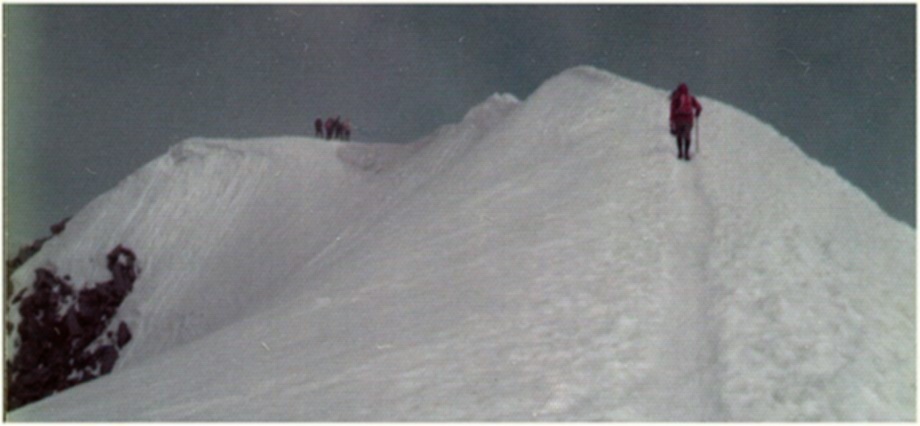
(547, 259)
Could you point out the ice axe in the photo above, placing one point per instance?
(697, 149)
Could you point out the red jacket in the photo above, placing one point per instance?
(686, 115)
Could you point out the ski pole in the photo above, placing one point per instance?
(697, 136)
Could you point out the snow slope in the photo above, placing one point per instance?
(540, 260)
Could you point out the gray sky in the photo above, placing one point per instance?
(94, 92)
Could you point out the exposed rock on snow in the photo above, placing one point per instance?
(60, 340)
(26, 252)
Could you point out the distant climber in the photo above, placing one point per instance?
(318, 125)
(346, 130)
(330, 127)
(337, 127)
(684, 108)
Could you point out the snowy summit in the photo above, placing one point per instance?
(547, 259)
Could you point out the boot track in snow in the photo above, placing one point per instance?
(689, 385)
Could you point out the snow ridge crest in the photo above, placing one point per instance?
(492, 110)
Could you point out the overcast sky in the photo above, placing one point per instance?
(91, 93)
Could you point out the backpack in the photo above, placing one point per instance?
(684, 104)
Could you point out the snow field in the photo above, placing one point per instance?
(541, 260)
(806, 275)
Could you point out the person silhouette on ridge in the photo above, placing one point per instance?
(684, 108)
(330, 127)
(318, 127)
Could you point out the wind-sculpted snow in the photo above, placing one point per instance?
(541, 260)
(819, 284)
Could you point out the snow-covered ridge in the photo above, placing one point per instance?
(544, 259)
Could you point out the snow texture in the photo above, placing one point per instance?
(549, 259)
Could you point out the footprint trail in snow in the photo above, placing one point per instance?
(688, 371)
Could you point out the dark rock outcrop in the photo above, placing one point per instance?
(26, 252)
(62, 334)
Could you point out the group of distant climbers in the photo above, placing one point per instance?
(333, 127)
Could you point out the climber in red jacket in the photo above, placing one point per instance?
(684, 108)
